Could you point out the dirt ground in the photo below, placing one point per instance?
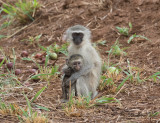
(54, 17)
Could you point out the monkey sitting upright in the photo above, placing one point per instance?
(87, 79)
(73, 64)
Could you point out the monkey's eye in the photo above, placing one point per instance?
(81, 34)
(78, 62)
(77, 34)
(74, 63)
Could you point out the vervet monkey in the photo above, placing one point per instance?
(88, 77)
(74, 64)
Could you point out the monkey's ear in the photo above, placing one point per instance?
(64, 37)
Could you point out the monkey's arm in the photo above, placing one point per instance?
(96, 60)
(78, 74)
(67, 70)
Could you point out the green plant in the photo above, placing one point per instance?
(29, 115)
(116, 50)
(2, 36)
(153, 114)
(4, 25)
(155, 76)
(122, 83)
(136, 36)
(72, 107)
(46, 73)
(60, 49)
(33, 40)
(108, 79)
(80, 102)
(8, 79)
(104, 67)
(124, 30)
(102, 42)
(22, 11)
(134, 73)
(9, 109)
(104, 100)
(25, 114)
(63, 49)
(107, 84)
(113, 71)
(55, 49)
(99, 42)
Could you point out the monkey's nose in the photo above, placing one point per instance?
(78, 67)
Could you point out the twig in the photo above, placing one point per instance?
(118, 91)
(17, 32)
(99, 95)
(22, 28)
(4, 3)
(34, 12)
(69, 89)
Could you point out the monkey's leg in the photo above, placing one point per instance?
(95, 92)
(65, 95)
(81, 86)
(75, 88)
(93, 81)
(65, 90)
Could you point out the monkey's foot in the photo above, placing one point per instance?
(94, 94)
(64, 100)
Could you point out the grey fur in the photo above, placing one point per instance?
(87, 78)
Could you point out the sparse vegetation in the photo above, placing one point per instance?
(46, 73)
(136, 36)
(24, 114)
(134, 74)
(155, 77)
(22, 11)
(33, 40)
(124, 30)
(32, 54)
(73, 106)
(116, 50)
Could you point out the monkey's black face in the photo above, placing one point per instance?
(77, 38)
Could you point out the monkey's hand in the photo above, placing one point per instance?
(78, 74)
(71, 79)
(67, 71)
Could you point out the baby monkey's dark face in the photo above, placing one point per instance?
(77, 38)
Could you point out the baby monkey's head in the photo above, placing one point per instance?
(75, 62)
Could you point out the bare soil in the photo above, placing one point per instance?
(138, 101)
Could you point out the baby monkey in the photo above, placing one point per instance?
(73, 64)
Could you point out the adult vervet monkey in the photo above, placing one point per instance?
(88, 77)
